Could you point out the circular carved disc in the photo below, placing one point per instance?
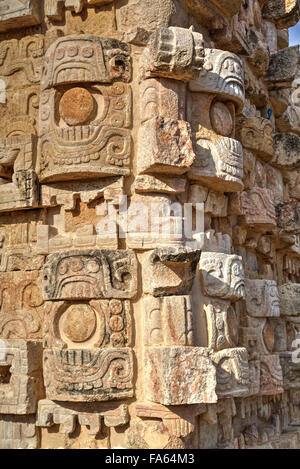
(76, 106)
(79, 323)
(268, 336)
(221, 119)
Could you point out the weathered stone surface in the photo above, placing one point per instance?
(289, 299)
(232, 372)
(289, 216)
(283, 67)
(179, 375)
(222, 275)
(19, 13)
(255, 133)
(52, 413)
(168, 321)
(170, 271)
(271, 379)
(21, 193)
(222, 324)
(284, 14)
(18, 432)
(162, 97)
(287, 151)
(86, 274)
(54, 9)
(255, 208)
(290, 371)
(262, 298)
(21, 305)
(83, 375)
(165, 146)
(173, 53)
(20, 384)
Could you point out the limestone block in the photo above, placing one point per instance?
(168, 321)
(255, 134)
(261, 332)
(162, 97)
(262, 298)
(222, 324)
(283, 67)
(287, 151)
(18, 432)
(66, 194)
(216, 204)
(173, 53)
(289, 216)
(18, 152)
(289, 122)
(283, 14)
(244, 35)
(19, 14)
(54, 9)
(169, 271)
(255, 208)
(26, 55)
(289, 299)
(180, 421)
(95, 324)
(219, 157)
(21, 305)
(223, 75)
(254, 373)
(165, 146)
(147, 15)
(86, 274)
(279, 99)
(84, 375)
(222, 275)
(145, 183)
(271, 379)
(179, 375)
(21, 193)
(232, 372)
(208, 11)
(20, 383)
(290, 371)
(52, 413)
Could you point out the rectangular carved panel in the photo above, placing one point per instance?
(19, 13)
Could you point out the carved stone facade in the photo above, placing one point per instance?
(149, 224)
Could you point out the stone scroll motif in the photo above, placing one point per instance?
(20, 379)
(85, 109)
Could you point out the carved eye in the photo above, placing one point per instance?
(76, 264)
(93, 267)
(87, 52)
(63, 268)
(72, 51)
(60, 53)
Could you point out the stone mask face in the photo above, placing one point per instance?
(85, 108)
(262, 298)
(222, 275)
(212, 106)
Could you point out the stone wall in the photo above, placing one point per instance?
(122, 121)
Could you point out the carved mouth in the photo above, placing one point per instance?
(233, 86)
(84, 134)
(81, 72)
